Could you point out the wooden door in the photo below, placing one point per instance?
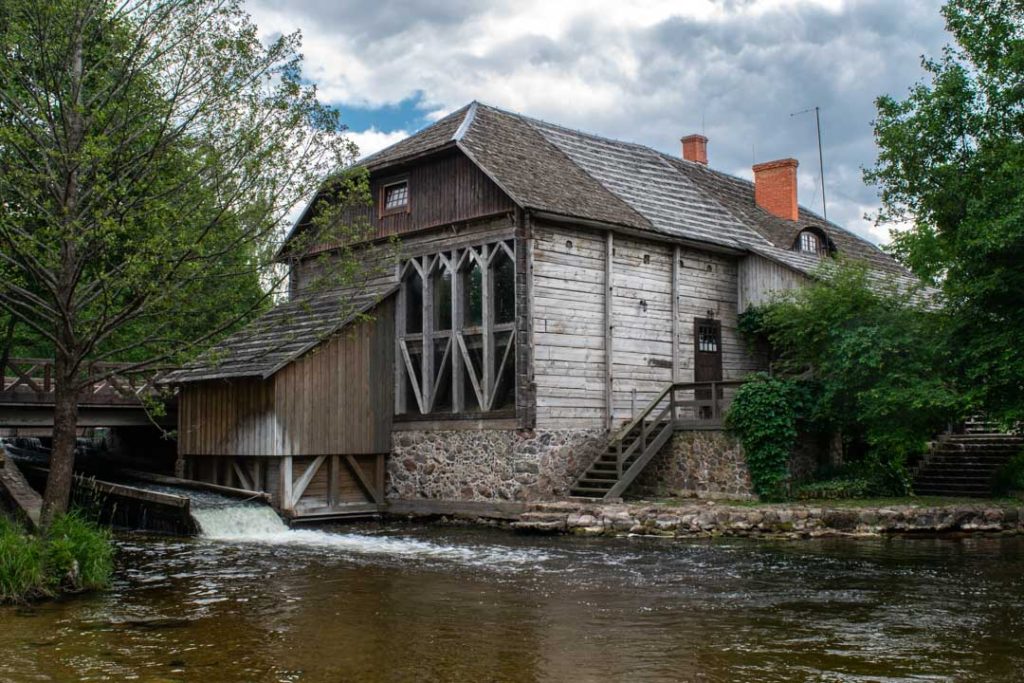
(707, 359)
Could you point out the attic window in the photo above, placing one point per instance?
(810, 242)
(395, 197)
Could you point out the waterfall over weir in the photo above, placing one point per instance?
(231, 521)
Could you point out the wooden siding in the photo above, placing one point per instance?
(226, 417)
(442, 191)
(760, 279)
(569, 321)
(329, 401)
(568, 326)
(333, 399)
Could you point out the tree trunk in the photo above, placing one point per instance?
(65, 427)
(5, 355)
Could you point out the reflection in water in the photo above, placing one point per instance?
(439, 604)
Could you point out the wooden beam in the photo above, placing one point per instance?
(370, 489)
(676, 255)
(609, 327)
(333, 477)
(303, 483)
(458, 396)
(243, 477)
(286, 482)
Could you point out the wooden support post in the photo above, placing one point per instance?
(458, 395)
(427, 356)
(333, 481)
(286, 482)
(609, 326)
(400, 393)
(675, 314)
(487, 289)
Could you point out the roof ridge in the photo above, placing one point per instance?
(535, 120)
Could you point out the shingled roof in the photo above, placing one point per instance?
(564, 172)
(279, 336)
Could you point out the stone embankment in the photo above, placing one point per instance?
(713, 519)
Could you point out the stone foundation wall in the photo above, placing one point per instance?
(489, 464)
(701, 464)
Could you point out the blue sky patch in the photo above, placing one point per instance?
(408, 115)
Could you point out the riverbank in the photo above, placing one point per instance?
(791, 520)
(72, 556)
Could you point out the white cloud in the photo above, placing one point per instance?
(373, 140)
(646, 71)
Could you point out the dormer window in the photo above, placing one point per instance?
(811, 242)
(394, 197)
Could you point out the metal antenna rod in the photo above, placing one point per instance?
(821, 158)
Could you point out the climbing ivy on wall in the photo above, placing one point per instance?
(764, 416)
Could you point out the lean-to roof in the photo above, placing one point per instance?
(280, 336)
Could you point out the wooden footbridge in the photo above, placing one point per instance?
(112, 398)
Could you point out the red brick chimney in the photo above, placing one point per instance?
(695, 148)
(775, 188)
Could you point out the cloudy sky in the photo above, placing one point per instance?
(645, 71)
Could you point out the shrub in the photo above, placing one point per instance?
(1011, 476)
(79, 554)
(73, 555)
(763, 415)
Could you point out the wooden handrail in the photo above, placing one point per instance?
(622, 433)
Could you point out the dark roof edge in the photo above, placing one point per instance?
(650, 234)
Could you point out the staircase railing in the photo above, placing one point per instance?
(683, 405)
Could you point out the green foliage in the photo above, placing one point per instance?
(764, 415)
(874, 362)
(835, 489)
(73, 555)
(79, 553)
(22, 564)
(1011, 476)
(951, 165)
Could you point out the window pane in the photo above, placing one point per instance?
(504, 274)
(413, 303)
(506, 379)
(472, 296)
(475, 346)
(443, 397)
(442, 299)
(396, 196)
(416, 356)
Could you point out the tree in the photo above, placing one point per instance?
(951, 163)
(149, 153)
(870, 358)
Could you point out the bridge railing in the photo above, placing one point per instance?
(31, 380)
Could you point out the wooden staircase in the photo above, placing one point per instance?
(694, 405)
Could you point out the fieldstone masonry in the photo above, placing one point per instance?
(489, 464)
(699, 464)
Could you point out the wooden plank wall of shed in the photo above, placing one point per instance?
(226, 417)
(335, 398)
(760, 279)
(569, 321)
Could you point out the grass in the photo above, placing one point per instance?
(73, 555)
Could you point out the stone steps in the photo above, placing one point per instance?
(965, 464)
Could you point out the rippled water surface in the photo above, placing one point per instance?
(442, 603)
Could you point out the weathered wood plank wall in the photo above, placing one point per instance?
(760, 279)
(329, 401)
(651, 331)
(333, 399)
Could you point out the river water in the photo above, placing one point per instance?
(422, 603)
